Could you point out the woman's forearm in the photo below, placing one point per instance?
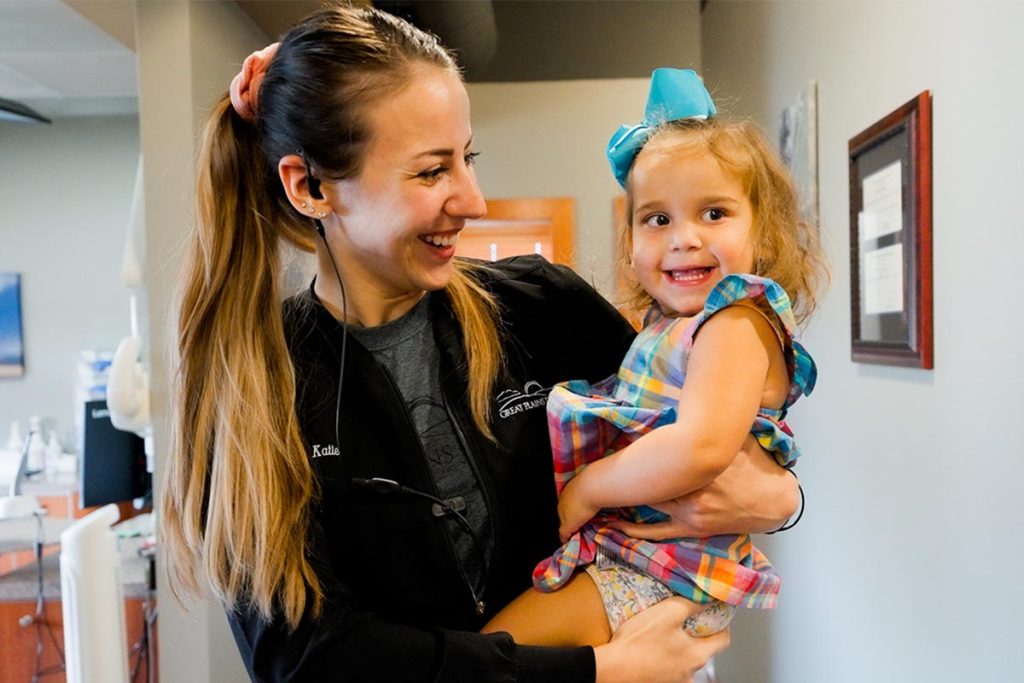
(752, 495)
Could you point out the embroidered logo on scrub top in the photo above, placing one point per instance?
(512, 401)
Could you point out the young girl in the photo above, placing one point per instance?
(719, 255)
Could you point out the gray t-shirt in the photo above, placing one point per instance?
(407, 350)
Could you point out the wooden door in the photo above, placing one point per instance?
(521, 226)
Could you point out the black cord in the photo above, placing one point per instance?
(391, 487)
(387, 486)
(313, 184)
(787, 525)
(344, 331)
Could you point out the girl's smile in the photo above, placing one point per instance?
(689, 276)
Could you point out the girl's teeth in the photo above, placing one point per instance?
(441, 240)
(689, 275)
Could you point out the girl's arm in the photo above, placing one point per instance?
(753, 495)
(725, 383)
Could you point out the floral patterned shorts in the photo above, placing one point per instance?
(626, 592)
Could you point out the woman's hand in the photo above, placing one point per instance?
(652, 647)
(752, 495)
(574, 510)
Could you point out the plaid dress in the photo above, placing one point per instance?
(588, 421)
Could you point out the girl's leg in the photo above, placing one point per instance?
(573, 615)
(592, 605)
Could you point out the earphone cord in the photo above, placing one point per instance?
(386, 487)
(476, 591)
(344, 331)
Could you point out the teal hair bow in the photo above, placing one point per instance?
(675, 94)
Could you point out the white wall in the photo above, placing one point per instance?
(904, 568)
(65, 194)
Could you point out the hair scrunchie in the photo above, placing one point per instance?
(675, 94)
(245, 87)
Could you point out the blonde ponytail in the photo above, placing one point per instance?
(236, 501)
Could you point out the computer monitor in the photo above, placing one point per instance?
(113, 467)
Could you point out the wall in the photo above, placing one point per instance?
(66, 194)
(547, 139)
(903, 568)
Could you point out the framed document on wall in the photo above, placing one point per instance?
(891, 238)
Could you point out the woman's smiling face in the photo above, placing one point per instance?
(400, 217)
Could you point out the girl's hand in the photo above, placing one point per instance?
(573, 509)
(652, 647)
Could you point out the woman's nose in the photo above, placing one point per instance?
(467, 201)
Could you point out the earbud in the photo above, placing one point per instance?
(311, 180)
(314, 187)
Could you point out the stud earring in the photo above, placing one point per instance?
(322, 213)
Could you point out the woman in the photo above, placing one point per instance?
(343, 475)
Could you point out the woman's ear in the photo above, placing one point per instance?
(295, 178)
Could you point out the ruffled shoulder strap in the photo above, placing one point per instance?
(768, 295)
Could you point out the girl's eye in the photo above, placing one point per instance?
(470, 158)
(714, 214)
(656, 220)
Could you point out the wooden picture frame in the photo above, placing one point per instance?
(891, 238)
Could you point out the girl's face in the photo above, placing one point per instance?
(692, 224)
(401, 216)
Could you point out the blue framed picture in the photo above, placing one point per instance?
(12, 350)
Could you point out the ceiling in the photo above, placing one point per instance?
(76, 57)
(60, 63)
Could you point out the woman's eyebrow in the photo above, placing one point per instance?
(442, 152)
(446, 152)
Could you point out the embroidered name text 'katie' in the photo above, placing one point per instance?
(324, 451)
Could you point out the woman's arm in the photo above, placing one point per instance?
(753, 495)
(350, 642)
(725, 382)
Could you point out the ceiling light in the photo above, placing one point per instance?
(16, 111)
